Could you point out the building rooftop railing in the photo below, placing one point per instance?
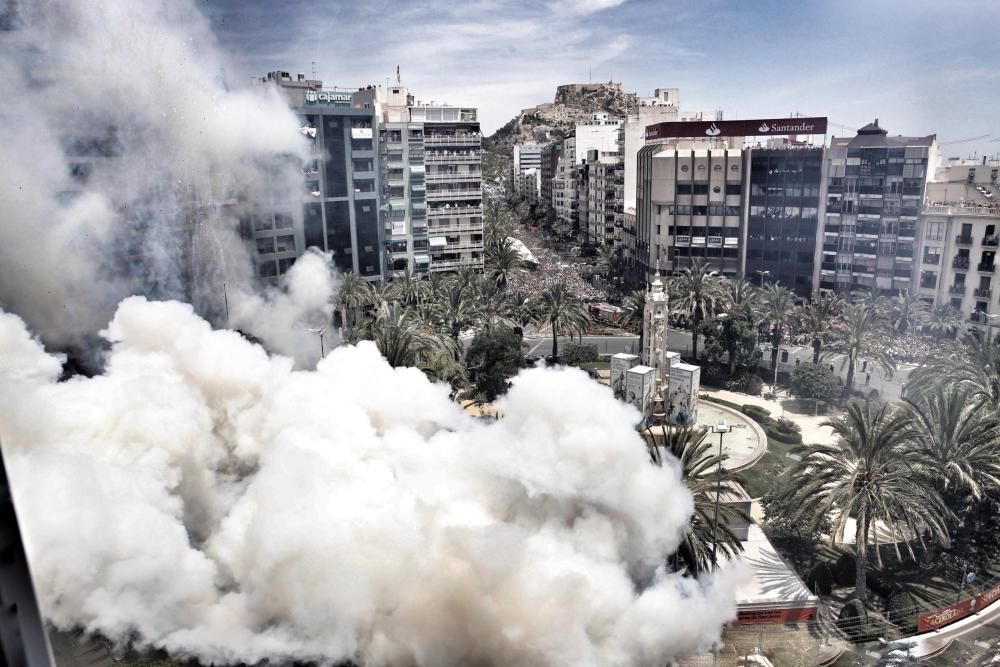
(963, 208)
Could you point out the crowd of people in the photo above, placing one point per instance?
(908, 349)
(552, 268)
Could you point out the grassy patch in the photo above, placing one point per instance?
(768, 473)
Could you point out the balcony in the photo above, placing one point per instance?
(963, 240)
(979, 317)
(991, 240)
(932, 259)
(928, 283)
(452, 140)
(454, 211)
(957, 289)
(449, 177)
(986, 267)
(960, 262)
(456, 158)
(454, 194)
(984, 292)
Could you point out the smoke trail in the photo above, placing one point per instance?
(128, 163)
(203, 497)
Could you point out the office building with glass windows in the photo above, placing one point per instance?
(875, 185)
(785, 184)
(689, 205)
(337, 210)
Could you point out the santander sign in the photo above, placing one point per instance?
(737, 128)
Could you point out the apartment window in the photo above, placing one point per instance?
(267, 269)
(701, 188)
(364, 185)
(285, 264)
(935, 231)
(683, 188)
(282, 221)
(733, 188)
(265, 246)
(284, 244)
(263, 223)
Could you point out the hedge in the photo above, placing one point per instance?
(760, 415)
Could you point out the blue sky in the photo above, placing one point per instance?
(921, 67)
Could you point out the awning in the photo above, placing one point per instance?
(438, 241)
(422, 259)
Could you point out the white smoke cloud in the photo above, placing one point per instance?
(204, 497)
(145, 81)
(288, 319)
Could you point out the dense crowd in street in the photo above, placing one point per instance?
(552, 268)
(908, 349)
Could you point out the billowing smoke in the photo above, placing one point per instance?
(204, 497)
(292, 318)
(128, 163)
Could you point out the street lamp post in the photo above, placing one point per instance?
(721, 428)
(320, 331)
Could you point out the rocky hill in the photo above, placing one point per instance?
(573, 103)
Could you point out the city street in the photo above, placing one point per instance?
(540, 345)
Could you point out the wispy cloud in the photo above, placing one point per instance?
(763, 58)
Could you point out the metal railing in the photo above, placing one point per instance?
(986, 267)
(452, 140)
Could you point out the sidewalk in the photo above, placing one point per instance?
(812, 432)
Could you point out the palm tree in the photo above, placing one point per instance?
(777, 304)
(408, 288)
(401, 338)
(633, 312)
(957, 441)
(354, 292)
(558, 309)
(817, 320)
(441, 366)
(457, 306)
(741, 300)
(696, 291)
(942, 320)
(501, 259)
(699, 467)
(870, 299)
(906, 310)
(857, 338)
(497, 307)
(868, 475)
(972, 365)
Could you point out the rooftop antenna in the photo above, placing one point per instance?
(398, 83)
(314, 70)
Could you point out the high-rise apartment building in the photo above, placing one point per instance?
(875, 184)
(564, 186)
(959, 240)
(603, 189)
(430, 156)
(785, 182)
(395, 184)
(550, 162)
